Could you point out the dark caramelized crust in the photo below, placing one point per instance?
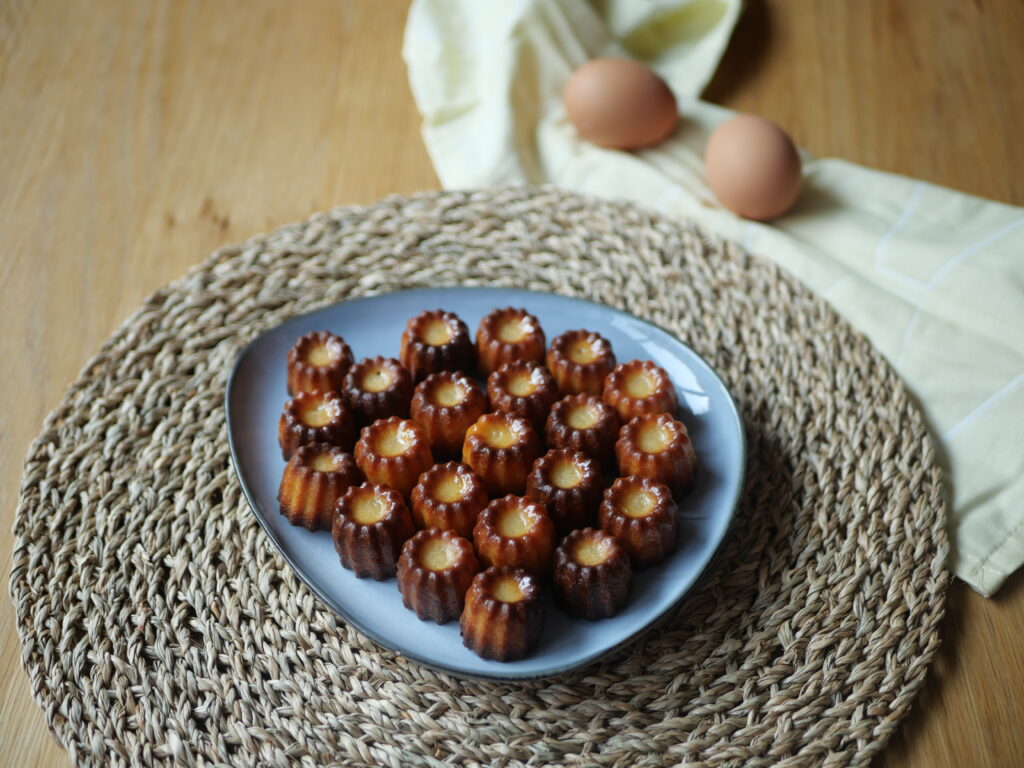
(639, 387)
(592, 574)
(446, 405)
(506, 335)
(371, 523)
(393, 452)
(436, 341)
(376, 388)
(503, 617)
(523, 388)
(568, 484)
(584, 423)
(448, 496)
(580, 361)
(517, 532)
(657, 446)
(434, 571)
(315, 417)
(318, 363)
(500, 448)
(641, 514)
(314, 479)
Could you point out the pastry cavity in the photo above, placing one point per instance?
(445, 405)
(314, 479)
(501, 448)
(658, 447)
(580, 361)
(515, 531)
(393, 452)
(507, 335)
(377, 388)
(525, 389)
(639, 387)
(592, 575)
(434, 572)
(371, 523)
(503, 616)
(318, 362)
(568, 484)
(641, 514)
(448, 496)
(436, 341)
(584, 423)
(314, 417)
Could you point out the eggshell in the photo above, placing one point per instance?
(620, 103)
(753, 167)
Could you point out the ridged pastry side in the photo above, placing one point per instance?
(639, 387)
(436, 593)
(315, 417)
(445, 405)
(568, 483)
(393, 452)
(672, 462)
(370, 549)
(515, 531)
(498, 629)
(316, 476)
(594, 588)
(580, 361)
(318, 362)
(448, 496)
(503, 467)
(496, 346)
(435, 341)
(647, 530)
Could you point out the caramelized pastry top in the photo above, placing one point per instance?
(448, 496)
(568, 483)
(436, 341)
(371, 523)
(584, 423)
(501, 448)
(580, 361)
(639, 387)
(503, 617)
(314, 417)
(657, 446)
(446, 404)
(506, 335)
(318, 362)
(523, 388)
(641, 514)
(376, 388)
(515, 531)
(394, 452)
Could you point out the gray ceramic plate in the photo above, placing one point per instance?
(372, 326)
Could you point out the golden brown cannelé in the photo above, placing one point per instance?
(517, 532)
(580, 361)
(503, 616)
(657, 446)
(639, 387)
(376, 388)
(523, 388)
(435, 570)
(449, 496)
(393, 452)
(315, 417)
(314, 478)
(568, 483)
(592, 574)
(642, 515)
(506, 335)
(446, 404)
(318, 362)
(584, 423)
(371, 523)
(435, 341)
(500, 448)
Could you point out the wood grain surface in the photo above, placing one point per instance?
(135, 138)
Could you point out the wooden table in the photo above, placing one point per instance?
(137, 137)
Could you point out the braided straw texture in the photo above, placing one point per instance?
(160, 627)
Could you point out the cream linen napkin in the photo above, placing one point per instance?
(933, 277)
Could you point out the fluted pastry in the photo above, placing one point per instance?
(436, 341)
(435, 570)
(371, 523)
(523, 388)
(657, 446)
(580, 361)
(506, 335)
(641, 514)
(446, 404)
(501, 448)
(318, 362)
(568, 484)
(376, 388)
(448, 496)
(315, 417)
(393, 452)
(592, 575)
(517, 532)
(314, 478)
(639, 387)
(584, 423)
(503, 617)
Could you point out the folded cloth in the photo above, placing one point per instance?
(933, 277)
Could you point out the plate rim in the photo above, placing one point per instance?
(249, 494)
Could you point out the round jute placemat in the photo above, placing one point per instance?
(160, 627)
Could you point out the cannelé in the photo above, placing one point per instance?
(435, 570)
(517, 532)
(446, 404)
(435, 341)
(376, 388)
(642, 515)
(315, 417)
(639, 387)
(503, 616)
(393, 452)
(592, 575)
(371, 523)
(657, 446)
(318, 362)
(523, 388)
(580, 361)
(584, 423)
(448, 496)
(501, 448)
(314, 478)
(568, 483)
(508, 334)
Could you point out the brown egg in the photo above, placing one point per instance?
(620, 104)
(753, 167)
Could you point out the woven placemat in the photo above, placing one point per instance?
(160, 627)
